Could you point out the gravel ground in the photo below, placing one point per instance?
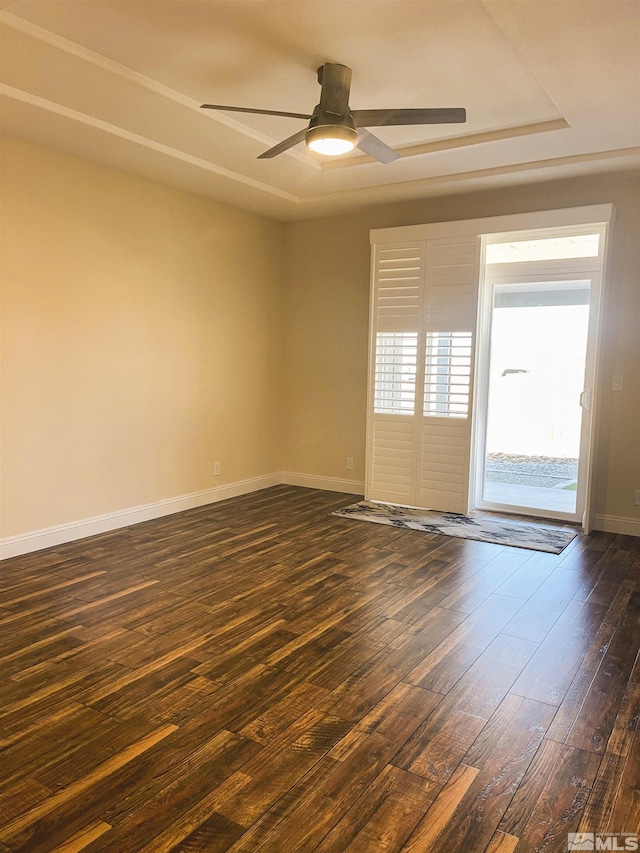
(545, 471)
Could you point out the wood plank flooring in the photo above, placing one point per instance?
(257, 675)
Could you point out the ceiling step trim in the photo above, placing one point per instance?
(462, 141)
(115, 130)
(118, 69)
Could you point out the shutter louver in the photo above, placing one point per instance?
(395, 373)
(447, 374)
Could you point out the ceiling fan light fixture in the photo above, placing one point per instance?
(331, 140)
(335, 129)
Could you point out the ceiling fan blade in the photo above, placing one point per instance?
(375, 147)
(336, 82)
(255, 112)
(284, 145)
(378, 118)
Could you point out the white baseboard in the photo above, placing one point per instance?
(36, 540)
(617, 524)
(327, 484)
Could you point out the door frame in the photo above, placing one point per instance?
(572, 269)
(594, 278)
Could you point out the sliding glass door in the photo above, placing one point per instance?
(537, 377)
(537, 364)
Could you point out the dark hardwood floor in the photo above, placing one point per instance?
(259, 676)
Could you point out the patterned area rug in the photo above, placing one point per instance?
(517, 534)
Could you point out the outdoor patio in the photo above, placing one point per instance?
(531, 481)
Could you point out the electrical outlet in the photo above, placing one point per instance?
(216, 469)
(637, 497)
(349, 463)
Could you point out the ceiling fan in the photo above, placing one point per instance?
(334, 128)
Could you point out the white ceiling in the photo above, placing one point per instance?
(551, 88)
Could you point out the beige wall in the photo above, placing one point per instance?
(141, 341)
(327, 327)
(147, 333)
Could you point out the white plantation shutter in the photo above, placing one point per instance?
(451, 296)
(422, 325)
(397, 309)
